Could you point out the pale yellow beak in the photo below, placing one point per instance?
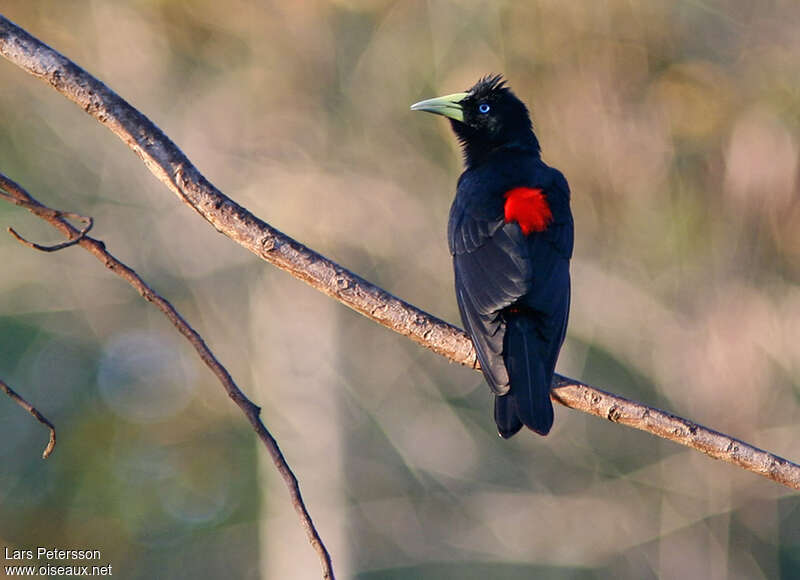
(449, 106)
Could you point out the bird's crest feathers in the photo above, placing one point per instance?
(488, 85)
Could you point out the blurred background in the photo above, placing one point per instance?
(678, 127)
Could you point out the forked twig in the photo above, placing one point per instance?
(43, 211)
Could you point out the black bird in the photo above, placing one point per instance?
(510, 234)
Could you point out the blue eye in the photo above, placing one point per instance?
(483, 108)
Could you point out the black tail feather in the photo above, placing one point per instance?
(505, 415)
(529, 398)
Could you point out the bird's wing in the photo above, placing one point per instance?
(489, 278)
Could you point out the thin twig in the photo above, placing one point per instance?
(50, 213)
(97, 248)
(168, 163)
(56, 247)
(35, 412)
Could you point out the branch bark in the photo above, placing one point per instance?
(174, 169)
(14, 193)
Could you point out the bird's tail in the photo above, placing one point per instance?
(528, 402)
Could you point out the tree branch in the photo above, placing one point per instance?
(33, 411)
(14, 193)
(174, 169)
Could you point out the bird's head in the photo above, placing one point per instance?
(484, 118)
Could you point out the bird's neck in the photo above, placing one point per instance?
(478, 152)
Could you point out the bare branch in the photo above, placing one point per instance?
(174, 169)
(33, 411)
(16, 194)
(618, 409)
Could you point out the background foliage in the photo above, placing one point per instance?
(678, 127)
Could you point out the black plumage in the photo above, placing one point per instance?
(511, 234)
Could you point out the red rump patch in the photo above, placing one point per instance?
(528, 207)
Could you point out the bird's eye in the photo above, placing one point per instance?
(484, 108)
